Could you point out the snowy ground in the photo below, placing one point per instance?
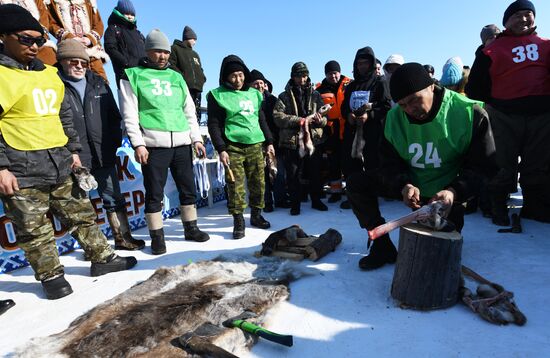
(338, 312)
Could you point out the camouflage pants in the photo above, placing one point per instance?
(246, 162)
(34, 232)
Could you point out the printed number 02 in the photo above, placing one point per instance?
(432, 156)
(41, 99)
(530, 52)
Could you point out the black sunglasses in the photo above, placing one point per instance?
(29, 40)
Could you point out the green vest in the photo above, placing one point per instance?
(161, 97)
(434, 150)
(242, 122)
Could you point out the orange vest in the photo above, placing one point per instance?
(336, 101)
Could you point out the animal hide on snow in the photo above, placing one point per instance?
(147, 319)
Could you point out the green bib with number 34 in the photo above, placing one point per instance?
(434, 150)
(242, 122)
(161, 97)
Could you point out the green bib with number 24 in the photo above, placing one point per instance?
(434, 150)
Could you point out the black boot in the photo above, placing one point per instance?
(257, 220)
(317, 204)
(334, 197)
(193, 233)
(114, 263)
(499, 208)
(158, 246)
(6, 305)
(56, 288)
(295, 209)
(345, 205)
(238, 226)
(268, 208)
(382, 252)
(122, 235)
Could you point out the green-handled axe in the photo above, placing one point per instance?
(240, 322)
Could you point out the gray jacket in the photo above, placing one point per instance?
(39, 167)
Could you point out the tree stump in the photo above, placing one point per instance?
(427, 272)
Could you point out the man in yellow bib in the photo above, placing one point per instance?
(38, 149)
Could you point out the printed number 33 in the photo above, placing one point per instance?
(161, 87)
(431, 157)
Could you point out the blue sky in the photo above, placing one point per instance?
(271, 36)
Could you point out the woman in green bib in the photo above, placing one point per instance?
(437, 143)
(237, 126)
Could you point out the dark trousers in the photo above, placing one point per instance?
(333, 148)
(522, 136)
(303, 170)
(372, 134)
(363, 192)
(276, 192)
(180, 162)
(196, 95)
(108, 188)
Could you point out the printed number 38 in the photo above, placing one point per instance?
(432, 157)
(530, 52)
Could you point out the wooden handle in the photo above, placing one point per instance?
(230, 172)
(203, 347)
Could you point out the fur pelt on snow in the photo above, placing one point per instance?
(147, 319)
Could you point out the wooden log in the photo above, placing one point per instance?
(326, 243)
(427, 272)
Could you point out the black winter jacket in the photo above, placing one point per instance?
(380, 99)
(40, 167)
(217, 114)
(124, 44)
(97, 121)
(188, 62)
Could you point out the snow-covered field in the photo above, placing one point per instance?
(340, 311)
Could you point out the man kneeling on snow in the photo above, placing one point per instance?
(436, 145)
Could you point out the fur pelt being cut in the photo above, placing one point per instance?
(305, 143)
(147, 319)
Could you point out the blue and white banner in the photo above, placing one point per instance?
(131, 185)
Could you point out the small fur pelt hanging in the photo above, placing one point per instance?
(305, 143)
(359, 140)
(271, 165)
(145, 320)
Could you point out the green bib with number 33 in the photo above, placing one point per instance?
(242, 122)
(161, 97)
(434, 150)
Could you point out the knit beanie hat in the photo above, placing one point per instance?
(188, 34)
(157, 40)
(488, 32)
(516, 6)
(71, 48)
(257, 75)
(232, 67)
(332, 66)
(408, 79)
(299, 69)
(452, 72)
(126, 7)
(14, 18)
(395, 58)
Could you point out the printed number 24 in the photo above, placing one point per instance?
(432, 157)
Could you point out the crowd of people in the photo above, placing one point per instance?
(392, 130)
